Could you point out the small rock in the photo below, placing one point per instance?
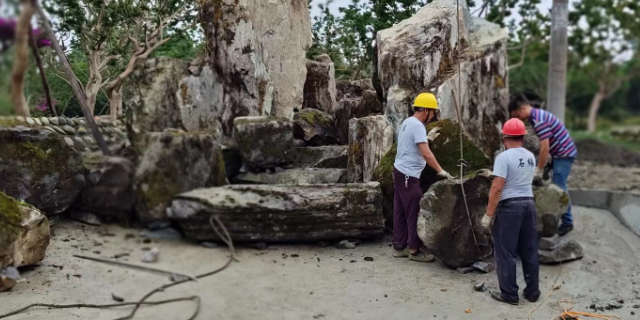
(567, 251)
(346, 244)
(54, 121)
(295, 255)
(166, 233)
(465, 270)
(178, 277)
(120, 255)
(20, 119)
(68, 141)
(637, 306)
(88, 218)
(50, 129)
(68, 130)
(30, 121)
(210, 245)
(613, 305)
(633, 313)
(443, 289)
(151, 256)
(146, 241)
(45, 121)
(82, 130)
(549, 243)
(77, 276)
(485, 267)
(62, 121)
(116, 298)
(479, 287)
(78, 140)
(370, 259)
(467, 311)
(38, 122)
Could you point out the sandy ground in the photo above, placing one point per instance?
(585, 175)
(319, 283)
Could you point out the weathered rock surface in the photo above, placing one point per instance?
(421, 54)
(37, 166)
(531, 141)
(369, 140)
(279, 213)
(256, 54)
(321, 157)
(109, 190)
(359, 107)
(296, 176)
(446, 148)
(264, 142)
(172, 163)
(320, 87)
(443, 224)
(24, 233)
(567, 251)
(315, 127)
(549, 243)
(551, 203)
(150, 95)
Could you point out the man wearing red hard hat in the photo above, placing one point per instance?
(511, 203)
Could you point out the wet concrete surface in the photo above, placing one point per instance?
(309, 282)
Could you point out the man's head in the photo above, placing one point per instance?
(513, 132)
(425, 107)
(520, 108)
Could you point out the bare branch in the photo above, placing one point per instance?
(106, 60)
(522, 56)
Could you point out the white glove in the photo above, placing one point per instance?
(538, 174)
(445, 175)
(433, 134)
(486, 221)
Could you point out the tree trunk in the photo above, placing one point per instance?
(95, 80)
(593, 110)
(43, 75)
(557, 80)
(115, 103)
(21, 61)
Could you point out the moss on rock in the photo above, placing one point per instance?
(10, 218)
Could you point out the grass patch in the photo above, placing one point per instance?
(606, 138)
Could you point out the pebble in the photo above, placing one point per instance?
(68, 141)
(465, 270)
(88, 139)
(82, 130)
(21, 119)
(30, 121)
(45, 121)
(38, 122)
(151, 256)
(48, 128)
(58, 130)
(485, 267)
(54, 121)
(62, 121)
(116, 298)
(479, 287)
(68, 130)
(346, 244)
(78, 140)
(370, 259)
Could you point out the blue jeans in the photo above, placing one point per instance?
(561, 170)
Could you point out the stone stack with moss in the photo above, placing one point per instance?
(264, 142)
(369, 140)
(315, 128)
(40, 168)
(446, 149)
(173, 163)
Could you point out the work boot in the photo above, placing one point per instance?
(497, 295)
(404, 253)
(421, 256)
(533, 299)
(564, 229)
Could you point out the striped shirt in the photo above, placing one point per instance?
(547, 126)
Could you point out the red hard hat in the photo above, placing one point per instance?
(514, 127)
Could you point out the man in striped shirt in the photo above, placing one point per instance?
(554, 141)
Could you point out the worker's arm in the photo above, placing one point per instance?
(494, 195)
(544, 154)
(429, 157)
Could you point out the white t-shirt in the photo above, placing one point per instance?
(409, 160)
(517, 166)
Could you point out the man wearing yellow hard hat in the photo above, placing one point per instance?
(413, 154)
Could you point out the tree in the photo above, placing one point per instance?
(604, 32)
(21, 60)
(117, 36)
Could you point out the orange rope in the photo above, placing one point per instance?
(575, 314)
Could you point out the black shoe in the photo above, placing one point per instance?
(498, 296)
(533, 299)
(564, 229)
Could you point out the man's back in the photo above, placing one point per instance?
(547, 126)
(517, 167)
(409, 160)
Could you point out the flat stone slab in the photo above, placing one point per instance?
(297, 176)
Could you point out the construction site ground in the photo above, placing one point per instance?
(310, 282)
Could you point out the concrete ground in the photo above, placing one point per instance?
(313, 282)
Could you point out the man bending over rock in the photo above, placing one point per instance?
(413, 154)
(511, 202)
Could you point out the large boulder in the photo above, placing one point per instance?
(321, 157)
(172, 163)
(315, 127)
(369, 140)
(264, 142)
(551, 203)
(277, 213)
(356, 99)
(109, 190)
(446, 148)
(24, 233)
(256, 56)
(40, 167)
(424, 53)
(443, 223)
(320, 87)
(296, 176)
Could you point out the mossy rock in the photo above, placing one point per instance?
(446, 149)
(9, 219)
(264, 142)
(37, 166)
(315, 128)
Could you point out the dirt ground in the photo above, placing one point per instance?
(594, 151)
(586, 175)
(309, 282)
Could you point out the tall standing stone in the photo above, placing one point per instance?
(320, 87)
(369, 140)
(256, 55)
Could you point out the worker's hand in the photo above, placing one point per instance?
(445, 175)
(433, 134)
(486, 221)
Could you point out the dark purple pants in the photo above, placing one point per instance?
(406, 206)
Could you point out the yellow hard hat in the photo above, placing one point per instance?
(426, 100)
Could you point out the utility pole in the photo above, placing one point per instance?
(557, 83)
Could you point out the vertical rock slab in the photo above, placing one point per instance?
(40, 167)
(320, 87)
(443, 224)
(172, 163)
(282, 213)
(256, 52)
(356, 99)
(315, 128)
(264, 142)
(24, 233)
(369, 140)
